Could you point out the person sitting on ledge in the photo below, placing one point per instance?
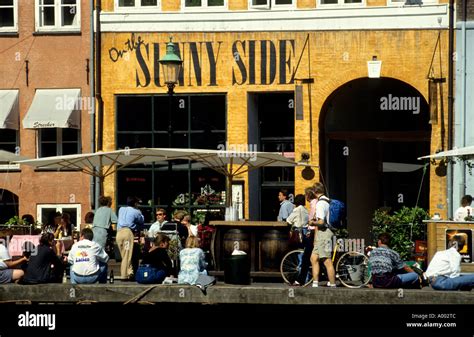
(88, 260)
(44, 266)
(444, 270)
(156, 264)
(387, 267)
(465, 211)
(192, 260)
(8, 268)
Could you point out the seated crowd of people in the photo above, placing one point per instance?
(86, 260)
(172, 248)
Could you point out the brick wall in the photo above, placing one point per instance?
(55, 61)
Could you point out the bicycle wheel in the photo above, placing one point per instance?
(290, 267)
(352, 270)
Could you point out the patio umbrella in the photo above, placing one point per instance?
(9, 157)
(99, 164)
(466, 153)
(229, 163)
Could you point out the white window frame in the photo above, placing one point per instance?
(271, 4)
(204, 6)
(59, 142)
(14, 28)
(59, 208)
(341, 4)
(57, 18)
(137, 7)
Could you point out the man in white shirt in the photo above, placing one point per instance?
(88, 260)
(444, 270)
(323, 237)
(160, 221)
(465, 210)
(7, 272)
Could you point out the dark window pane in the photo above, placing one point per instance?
(259, 2)
(49, 134)
(179, 113)
(48, 2)
(69, 2)
(133, 140)
(215, 2)
(70, 135)
(134, 113)
(69, 15)
(207, 140)
(276, 114)
(70, 148)
(175, 185)
(48, 149)
(149, 2)
(327, 2)
(8, 136)
(134, 183)
(178, 140)
(8, 147)
(283, 2)
(193, 3)
(126, 3)
(6, 2)
(161, 113)
(48, 16)
(208, 112)
(6, 17)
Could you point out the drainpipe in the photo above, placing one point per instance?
(98, 87)
(450, 106)
(463, 91)
(98, 92)
(92, 91)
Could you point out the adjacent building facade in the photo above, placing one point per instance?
(280, 75)
(45, 104)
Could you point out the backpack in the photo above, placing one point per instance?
(337, 213)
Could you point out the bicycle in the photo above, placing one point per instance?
(352, 268)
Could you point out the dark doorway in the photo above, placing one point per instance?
(8, 205)
(271, 128)
(371, 133)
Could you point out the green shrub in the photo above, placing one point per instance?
(404, 226)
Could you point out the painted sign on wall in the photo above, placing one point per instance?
(247, 62)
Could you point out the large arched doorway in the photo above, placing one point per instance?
(371, 133)
(8, 205)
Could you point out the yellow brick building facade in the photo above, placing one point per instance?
(241, 60)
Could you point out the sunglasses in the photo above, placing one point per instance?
(159, 214)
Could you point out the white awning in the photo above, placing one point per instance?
(54, 108)
(9, 111)
(400, 167)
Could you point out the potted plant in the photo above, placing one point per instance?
(404, 226)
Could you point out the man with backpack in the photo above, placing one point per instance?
(323, 237)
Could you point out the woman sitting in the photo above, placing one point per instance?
(156, 264)
(63, 234)
(44, 266)
(192, 262)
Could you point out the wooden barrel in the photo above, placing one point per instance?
(236, 235)
(274, 246)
